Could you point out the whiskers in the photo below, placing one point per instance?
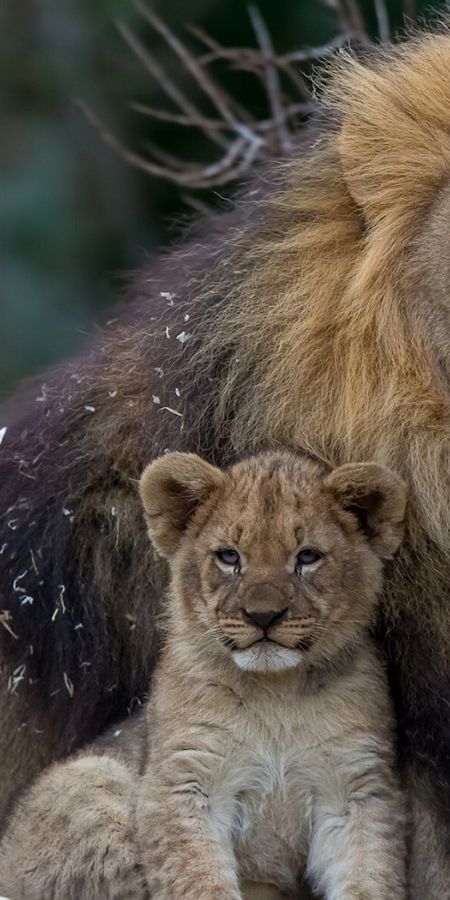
(228, 641)
(305, 643)
(299, 635)
(295, 633)
(303, 634)
(237, 634)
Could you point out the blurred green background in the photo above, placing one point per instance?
(75, 219)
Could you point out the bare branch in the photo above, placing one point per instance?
(238, 171)
(241, 136)
(384, 27)
(198, 121)
(243, 58)
(294, 109)
(237, 160)
(227, 54)
(168, 159)
(216, 94)
(250, 60)
(129, 156)
(247, 59)
(160, 75)
(272, 80)
(321, 52)
(248, 56)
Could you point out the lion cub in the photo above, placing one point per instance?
(265, 757)
(270, 725)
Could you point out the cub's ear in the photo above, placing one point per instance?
(171, 488)
(377, 497)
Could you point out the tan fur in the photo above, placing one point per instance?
(281, 763)
(265, 761)
(320, 322)
(338, 332)
(328, 292)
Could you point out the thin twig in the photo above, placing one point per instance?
(294, 109)
(384, 27)
(169, 160)
(233, 174)
(244, 59)
(320, 52)
(250, 60)
(238, 158)
(171, 89)
(272, 80)
(241, 136)
(197, 121)
(216, 94)
(241, 58)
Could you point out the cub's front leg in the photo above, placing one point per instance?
(184, 829)
(358, 846)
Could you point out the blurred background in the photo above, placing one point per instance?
(74, 217)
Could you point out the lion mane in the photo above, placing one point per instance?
(314, 316)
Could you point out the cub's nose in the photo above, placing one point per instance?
(264, 620)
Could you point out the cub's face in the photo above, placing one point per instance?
(277, 559)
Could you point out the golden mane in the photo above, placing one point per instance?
(328, 353)
(314, 315)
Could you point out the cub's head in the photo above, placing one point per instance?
(278, 560)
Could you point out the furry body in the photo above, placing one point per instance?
(73, 834)
(273, 785)
(243, 777)
(318, 319)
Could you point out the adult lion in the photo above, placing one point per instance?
(316, 316)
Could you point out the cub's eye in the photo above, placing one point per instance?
(307, 557)
(228, 556)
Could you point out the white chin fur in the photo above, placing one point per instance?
(266, 658)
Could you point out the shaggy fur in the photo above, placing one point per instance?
(317, 317)
(269, 752)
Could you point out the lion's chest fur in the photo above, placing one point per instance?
(272, 810)
(284, 752)
(255, 762)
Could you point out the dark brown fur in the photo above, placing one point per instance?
(319, 320)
